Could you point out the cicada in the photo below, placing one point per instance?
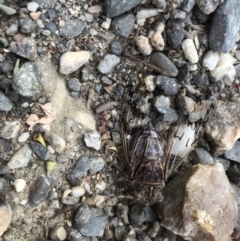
(152, 159)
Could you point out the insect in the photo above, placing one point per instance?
(152, 159)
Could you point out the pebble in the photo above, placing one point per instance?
(46, 4)
(161, 4)
(101, 185)
(108, 63)
(146, 13)
(120, 232)
(143, 44)
(168, 85)
(224, 30)
(89, 17)
(26, 82)
(78, 191)
(82, 165)
(23, 137)
(13, 29)
(10, 130)
(5, 148)
(106, 24)
(32, 6)
(39, 190)
(27, 26)
(150, 82)
(161, 61)
(161, 103)
(62, 158)
(69, 201)
(115, 8)
(72, 28)
(56, 141)
(40, 150)
(116, 48)
(123, 25)
(223, 161)
(19, 184)
(26, 48)
(171, 116)
(237, 54)
(8, 11)
(208, 7)
(58, 233)
(234, 153)
(201, 156)
(188, 5)
(74, 85)
(21, 158)
(211, 59)
(190, 51)
(5, 214)
(174, 33)
(157, 41)
(97, 164)
(90, 221)
(46, 32)
(71, 61)
(5, 103)
(200, 16)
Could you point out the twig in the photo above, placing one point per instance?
(127, 54)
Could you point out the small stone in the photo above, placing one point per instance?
(62, 158)
(210, 60)
(46, 32)
(150, 82)
(188, 5)
(35, 16)
(82, 165)
(5, 148)
(71, 61)
(108, 63)
(4, 185)
(10, 130)
(21, 158)
(89, 17)
(223, 161)
(78, 191)
(174, 33)
(237, 54)
(97, 164)
(40, 150)
(157, 41)
(72, 28)
(207, 6)
(200, 16)
(19, 184)
(46, 4)
(101, 185)
(69, 200)
(5, 103)
(27, 26)
(57, 142)
(171, 116)
(106, 24)
(23, 137)
(224, 30)
(74, 85)
(163, 62)
(147, 13)
(58, 233)
(143, 44)
(115, 8)
(120, 232)
(169, 85)
(5, 214)
(190, 51)
(123, 25)
(8, 11)
(140, 214)
(116, 137)
(234, 153)
(26, 48)
(13, 29)
(32, 6)
(161, 103)
(116, 48)
(161, 4)
(200, 156)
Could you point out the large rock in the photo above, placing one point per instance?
(223, 127)
(224, 28)
(115, 7)
(199, 204)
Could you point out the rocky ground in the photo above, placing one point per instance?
(68, 69)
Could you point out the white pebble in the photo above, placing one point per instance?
(51, 149)
(210, 59)
(23, 137)
(143, 45)
(24, 104)
(146, 13)
(157, 41)
(78, 191)
(19, 184)
(106, 24)
(190, 51)
(93, 140)
(101, 185)
(32, 6)
(141, 22)
(89, 17)
(150, 82)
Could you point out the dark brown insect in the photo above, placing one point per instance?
(152, 160)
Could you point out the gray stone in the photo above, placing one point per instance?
(40, 150)
(26, 83)
(223, 161)
(72, 28)
(27, 25)
(108, 63)
(163, 62)
(10, 130)
(70, 200)
(123, 25)
(169, 85)
(82, 165)
(74, 85)
(116, 48)
(171, 116)
(7, 10)
(209, 6)
(115, 7)
(5, 103)
(21, 158)
(234, 153)
(224, 27)
(121, 232)
(56, 141)
(62, 158)
(200, 156)
(5, 148)
(46, 3)
(161, 103)
(13, 29)
(161, 4)
(97, 164)
(27, 48)
(188, 5)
